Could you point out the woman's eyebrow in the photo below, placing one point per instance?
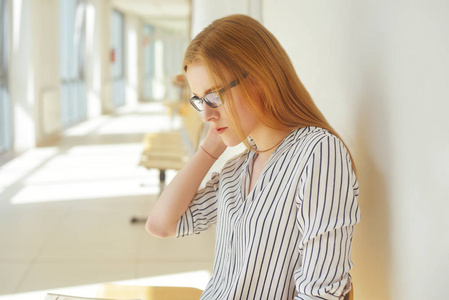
(206, 91)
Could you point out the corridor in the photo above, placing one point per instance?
(65, 214)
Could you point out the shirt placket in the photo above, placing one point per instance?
(246, 178)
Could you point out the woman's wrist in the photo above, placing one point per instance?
(212, 149)
(205, 151)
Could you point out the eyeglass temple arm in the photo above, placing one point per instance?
(232, 84)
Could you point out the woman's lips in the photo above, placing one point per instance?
(221, 130)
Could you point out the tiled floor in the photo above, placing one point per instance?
(65, 215)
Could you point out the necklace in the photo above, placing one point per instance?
(275, 145)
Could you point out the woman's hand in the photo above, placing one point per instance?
(213, 143)
(176, 197)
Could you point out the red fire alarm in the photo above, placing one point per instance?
(112, 55)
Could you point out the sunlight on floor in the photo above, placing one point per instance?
(132, 120)
(18, 169)
(88, 126)
(100, 169)
(81, 191)
(136, 124)
(87, 172)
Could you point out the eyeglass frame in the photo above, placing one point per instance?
(232, 84)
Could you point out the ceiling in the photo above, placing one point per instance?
(173, 15)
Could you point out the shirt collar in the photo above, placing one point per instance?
(294, 136)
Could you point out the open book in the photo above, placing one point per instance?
(111, 291)
(65, 297)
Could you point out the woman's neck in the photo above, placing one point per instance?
(267, 140)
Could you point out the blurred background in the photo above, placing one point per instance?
(82, 82)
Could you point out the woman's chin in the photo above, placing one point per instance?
(231, 142)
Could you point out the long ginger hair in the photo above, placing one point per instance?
(273, 91)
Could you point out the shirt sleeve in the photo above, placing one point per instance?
(327, 213)
(202, 212)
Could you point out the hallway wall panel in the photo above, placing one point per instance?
(379, 72)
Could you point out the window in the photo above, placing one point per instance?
(163, 55)
(72, 55)
(149, 61)
(117, 59)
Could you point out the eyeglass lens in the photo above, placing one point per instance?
(211, 99)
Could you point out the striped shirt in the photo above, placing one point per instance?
(288, 238)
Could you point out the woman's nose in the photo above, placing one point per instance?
(208, 113)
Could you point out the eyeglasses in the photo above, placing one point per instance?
(212, 98)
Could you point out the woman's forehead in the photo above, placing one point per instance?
(200, 81)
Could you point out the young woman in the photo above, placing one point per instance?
(285, 209)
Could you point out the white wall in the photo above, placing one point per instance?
(21, 76)
(379, 71)
(45, 58)
(205, 11)
(34, 72)
(133, 44)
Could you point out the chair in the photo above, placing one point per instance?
(112, 291)
(172, 149)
